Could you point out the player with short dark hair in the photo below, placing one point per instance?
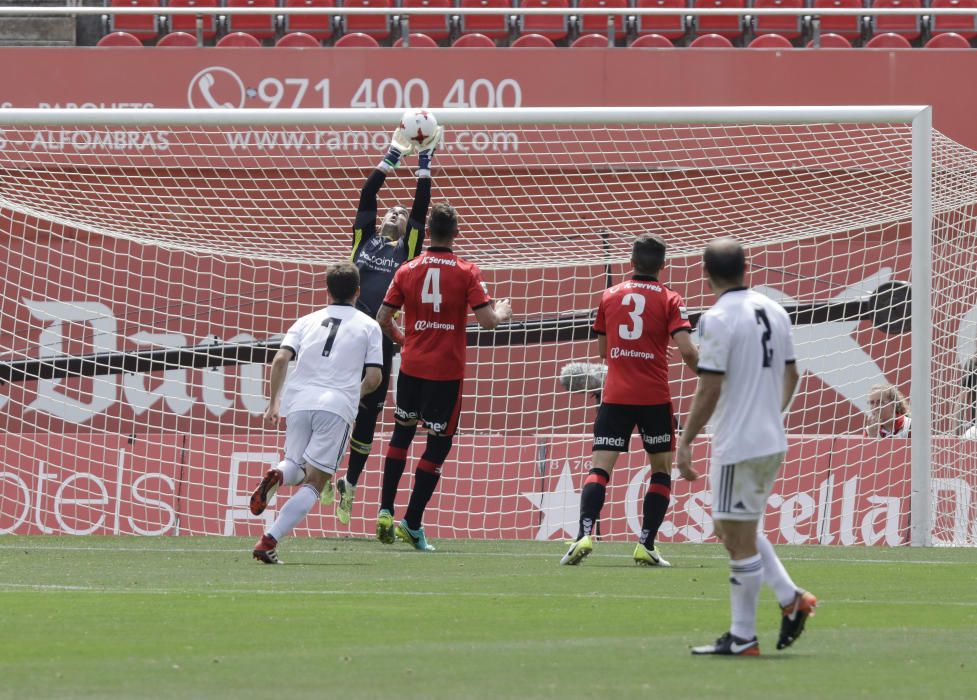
(435, 291)
(377, 255)
(635, 321)
(747, 376)
(338, 357)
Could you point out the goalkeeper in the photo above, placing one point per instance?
(377, 255)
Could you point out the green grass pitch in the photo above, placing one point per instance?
(117, 617)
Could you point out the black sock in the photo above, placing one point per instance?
(592, 500)
(424, 485)
(655, 506)
(357, 460)
(393, 469)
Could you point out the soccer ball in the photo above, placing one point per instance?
(418, 125)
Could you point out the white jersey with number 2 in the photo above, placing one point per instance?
(331, 346)
(746, 337)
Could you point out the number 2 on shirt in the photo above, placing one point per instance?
(634, 332)
(431, 291)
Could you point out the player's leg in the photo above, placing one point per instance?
(291, 470)
(440, 409)
(657, 427)
(395, 460)
(796, 604)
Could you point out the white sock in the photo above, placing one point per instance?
(774, 573)
(745, 579)
(292, 473)
(291, 514)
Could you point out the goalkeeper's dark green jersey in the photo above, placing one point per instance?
(376, 256)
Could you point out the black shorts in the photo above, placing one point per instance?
(615, 423)
(434, 403)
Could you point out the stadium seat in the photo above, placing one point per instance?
(729, 26)
(144, 27)
(787, 27)
(492, 26)
(356, 40)
(888, 41)
(848, 26)
(438, 27)
(537, 41)
(965, 26)
(298, 40)
(177, 39)
(377, 26)
(904, 25)
(770, 41)
(319, 27)
(119, 39)
(554, 27)
(711, 41)
(651, 41)
(258, 26)
(668, 26)
(417, 41)
(830, 41)
(593, 24)
(473, 41)
(950, 40)
(238, 40)
(590, 41)
(188, 23)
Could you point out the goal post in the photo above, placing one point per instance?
(153, 259)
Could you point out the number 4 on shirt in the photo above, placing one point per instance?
(431, 291)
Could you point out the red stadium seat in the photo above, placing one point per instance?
(417, 41)
(711, 41)
(904, 25)
(729, 26)
(950, 40)
(590, 24)
(473, 41)
(590, 41)
(119, 39)
(965, 26)
(377, 26)
(554, 27)
(438, 27)
(536, 41)
(492, 26)
(770, 41)
(356, 40)
(142, 26)
(888, 41)
(848, 26)
(188, 23)
(177, 39)
(668, 26)
(297, 40)
(787, 27)
(238, 40)
(651, 41)
(830, 41)
(258, 26)
(317, 26)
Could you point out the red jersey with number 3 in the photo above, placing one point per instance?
(435, 291)
(639, 317)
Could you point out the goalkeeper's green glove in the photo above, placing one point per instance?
(400, 146)
(426, 151)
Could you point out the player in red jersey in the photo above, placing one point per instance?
(634, 323)
(435, 290)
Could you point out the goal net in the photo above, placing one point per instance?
(152, 261)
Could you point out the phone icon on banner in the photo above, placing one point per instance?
(216, 88)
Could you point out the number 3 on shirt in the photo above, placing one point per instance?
(634, 332)
(431, 291)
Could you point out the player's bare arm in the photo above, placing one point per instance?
(602, 346)
(703, 405)
(276, 380)
(491, 315)
(791, 377)
(688, 349)
(371, 380)
(389, 325)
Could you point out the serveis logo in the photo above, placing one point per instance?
(216, 88)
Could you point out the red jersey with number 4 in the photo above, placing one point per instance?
(639, 317)
(435, 290)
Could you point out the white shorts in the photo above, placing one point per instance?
(318, 438)
(740, 491)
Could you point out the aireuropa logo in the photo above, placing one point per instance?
(216, 87)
